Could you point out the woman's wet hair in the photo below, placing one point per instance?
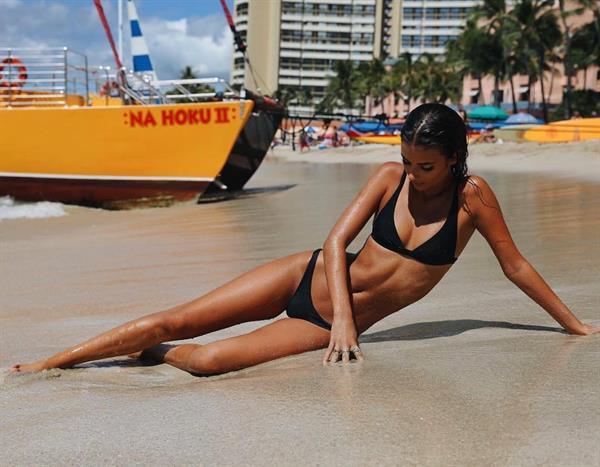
(438, 126)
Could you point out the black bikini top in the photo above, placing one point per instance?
(438, 250)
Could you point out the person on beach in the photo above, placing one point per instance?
(425, 210)
(304, 143)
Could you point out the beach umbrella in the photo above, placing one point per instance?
(522, 118)
(488, 112)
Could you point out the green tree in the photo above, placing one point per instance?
(539, 36)
(341, 90)
(585, 46)
(370, 80)
(401, 78)
(494, 15)
(188, 73)
(470, 54)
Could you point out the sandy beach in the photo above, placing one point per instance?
(474, 374)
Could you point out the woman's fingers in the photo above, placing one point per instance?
(335, 353)
(357, 352)
(327, 354)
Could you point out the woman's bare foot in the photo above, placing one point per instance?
(29, 367)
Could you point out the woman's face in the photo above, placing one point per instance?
(426, 168)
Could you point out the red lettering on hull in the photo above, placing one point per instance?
(222, 115)
(171, 117)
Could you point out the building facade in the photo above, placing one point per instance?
(426, 25)
(527, 95)
(295, 44)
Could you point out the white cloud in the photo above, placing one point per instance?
(204, 43)
(173, 45)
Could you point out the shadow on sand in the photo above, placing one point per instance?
(433, 329)
(416, 331)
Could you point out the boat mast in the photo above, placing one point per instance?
(120, 10)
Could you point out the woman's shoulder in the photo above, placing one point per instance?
(390, 170)
(476, 193)
(474, 185)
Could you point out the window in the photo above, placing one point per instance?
(413, 13)
(411, 41)
(500, 95)
(242, 9)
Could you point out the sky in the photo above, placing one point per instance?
(179, 32)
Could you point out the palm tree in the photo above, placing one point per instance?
(568, 61)
(494, 13)
(188, 73)
(435, 80)
(401, 78)
(341, 89)
(539, 34)
(585, 46)
(472, 52)
(370, 81)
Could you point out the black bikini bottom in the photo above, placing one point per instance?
(301, 305)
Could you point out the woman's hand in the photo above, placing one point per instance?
(586, 330)
(343, 342)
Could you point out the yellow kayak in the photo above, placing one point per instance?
(380, 139)
(565, 131)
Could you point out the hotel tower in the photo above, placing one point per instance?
(296, 43)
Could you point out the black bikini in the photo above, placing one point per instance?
(438, 250)
(301, 305)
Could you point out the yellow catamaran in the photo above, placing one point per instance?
(62, 143)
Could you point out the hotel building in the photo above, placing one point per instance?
(296, 43)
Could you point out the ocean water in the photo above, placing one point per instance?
(11, 209)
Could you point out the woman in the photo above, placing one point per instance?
(426, 210)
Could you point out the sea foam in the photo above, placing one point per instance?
(11, 209)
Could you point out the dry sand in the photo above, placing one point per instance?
(474, 374)
(581, 160)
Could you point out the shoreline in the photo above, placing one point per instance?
(549, 159)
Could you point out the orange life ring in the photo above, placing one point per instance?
(16, 63)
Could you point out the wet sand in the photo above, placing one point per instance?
(474, 374)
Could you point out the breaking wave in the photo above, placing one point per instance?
(11, 209)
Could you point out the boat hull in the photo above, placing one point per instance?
(111, 156)
(248, 151)
(107, 194)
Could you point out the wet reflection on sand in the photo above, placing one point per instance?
(474, 374)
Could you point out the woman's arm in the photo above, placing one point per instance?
(487, 218)
(350, 223)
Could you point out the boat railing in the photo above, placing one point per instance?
(55, 77)
(141, 90)
(43, 77)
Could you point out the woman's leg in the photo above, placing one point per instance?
(288, 336)
(259, 294)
